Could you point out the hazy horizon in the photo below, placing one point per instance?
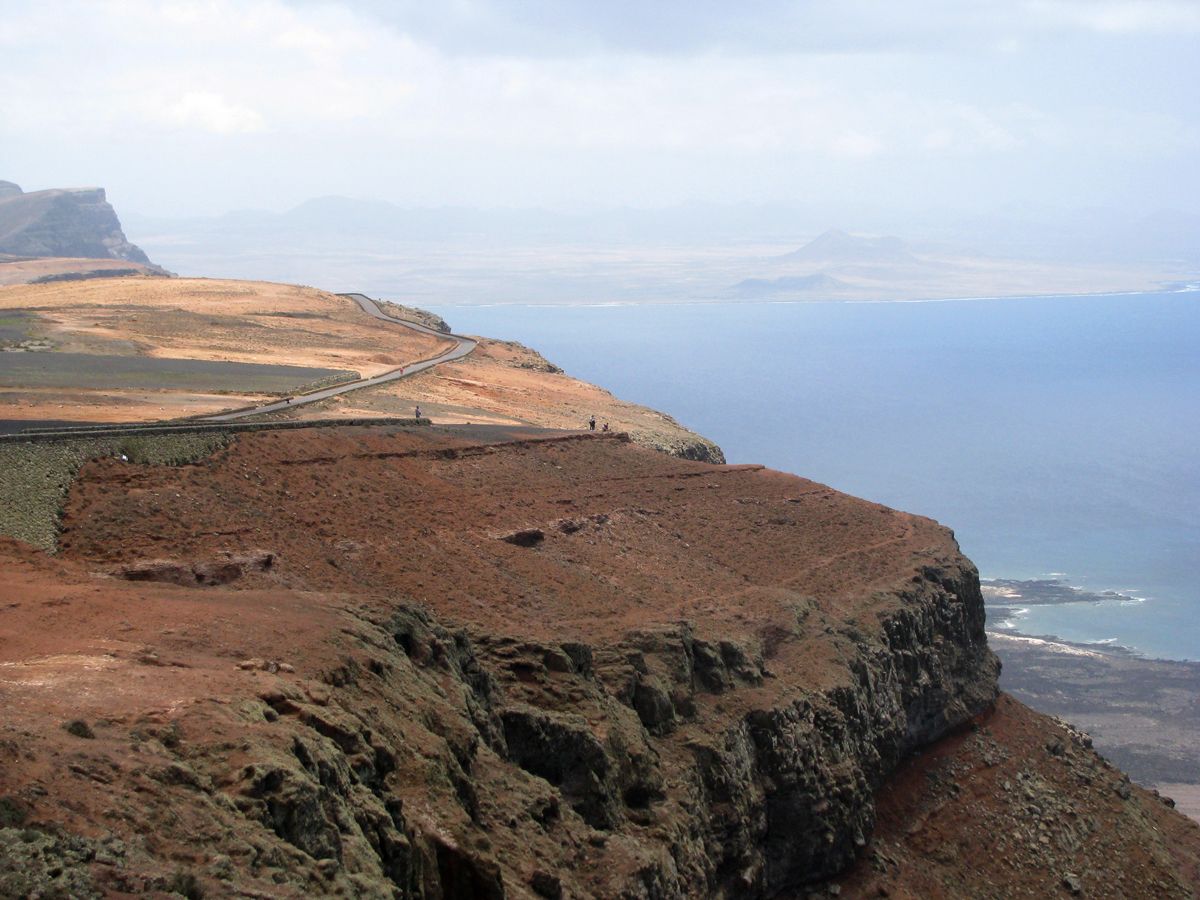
(865, 115)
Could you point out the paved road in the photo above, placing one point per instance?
(462, 346)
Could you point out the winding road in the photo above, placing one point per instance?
(462, 346)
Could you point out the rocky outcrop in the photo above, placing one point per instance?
(558, 668)
(688, 764)
(76, 222)
(223, 569)
(416, 314)
(691, 446)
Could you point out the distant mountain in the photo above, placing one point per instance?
(838, 247)
(334, 221)
(71, 222)
(788, 284)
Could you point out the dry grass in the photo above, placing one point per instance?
(200, 319)
(23, 271)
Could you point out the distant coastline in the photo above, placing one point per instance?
(1185, 287)
(1007, 600)
(1137, 708)
(1138, 711)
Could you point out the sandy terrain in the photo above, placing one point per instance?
(84, 405)
(505, 383)
(948, 277)
(196, 319)
(16, 270)
(442, 274)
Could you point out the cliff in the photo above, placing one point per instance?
(388, 662)
(75, 222)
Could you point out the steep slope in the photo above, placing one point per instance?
(482, 662)
(72, 222)
(494, 670)
(1019, 805)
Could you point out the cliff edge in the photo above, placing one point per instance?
(71, 222)
(412, 662)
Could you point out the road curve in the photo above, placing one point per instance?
(462, 346)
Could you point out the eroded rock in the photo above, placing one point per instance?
(226, 568)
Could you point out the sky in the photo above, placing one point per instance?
(954, 107)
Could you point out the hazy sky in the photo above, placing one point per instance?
(938, 105)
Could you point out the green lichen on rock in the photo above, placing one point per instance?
(36, 863)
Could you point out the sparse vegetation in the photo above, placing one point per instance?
(38, 475)
(187, 885)
(12, 813)
(80, 729)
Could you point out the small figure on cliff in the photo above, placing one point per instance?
(287, 400)
(592, 424)
(418, 412)
(604, 427)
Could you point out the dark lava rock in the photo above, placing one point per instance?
(545, 884)
(526, 537)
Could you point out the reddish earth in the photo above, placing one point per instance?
(1011, 807)
(419, 511)
(322, 721)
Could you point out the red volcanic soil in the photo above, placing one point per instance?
(630, 537)
(78, 646)
(380, 660)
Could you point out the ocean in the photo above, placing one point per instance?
(1057, 436)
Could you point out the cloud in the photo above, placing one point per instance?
(212, 112)
(618, 100)
(564, 28)
(1172, 17)
(856, 145)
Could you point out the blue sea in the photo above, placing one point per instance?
(1058, 436)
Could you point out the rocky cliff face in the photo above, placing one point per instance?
(527, 668)
(62, 223)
